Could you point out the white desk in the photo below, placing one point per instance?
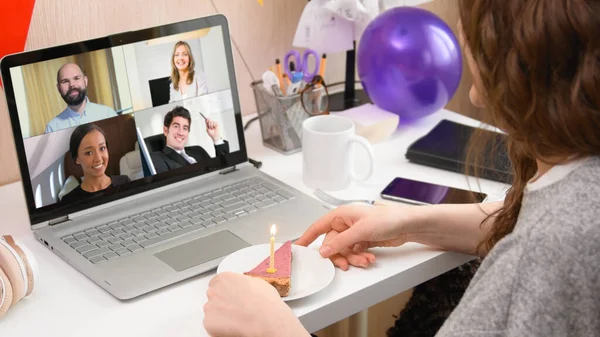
(65, 303)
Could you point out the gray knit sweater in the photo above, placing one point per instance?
(543, 279)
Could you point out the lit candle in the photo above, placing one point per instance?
(271, 268)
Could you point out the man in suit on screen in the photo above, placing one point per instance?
(176, 128)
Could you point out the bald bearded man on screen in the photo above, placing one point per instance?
(72, 87)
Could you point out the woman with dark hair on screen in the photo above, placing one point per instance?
(185, 81)
(536, 73)
(89, 149)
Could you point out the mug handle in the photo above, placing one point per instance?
(367, 146)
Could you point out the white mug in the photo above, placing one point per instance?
(327, 152)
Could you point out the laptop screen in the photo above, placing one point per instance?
(107, 118)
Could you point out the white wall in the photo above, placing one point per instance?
(135, 90)
(396, 3)
(217, 106)
(18, 82)
(146, 62)
(214, 60)
(121, 78)
(45, 158)
(43, 150)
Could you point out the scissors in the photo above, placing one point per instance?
(301, 64)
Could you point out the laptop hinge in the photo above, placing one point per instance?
(229, 170)
(59, 220)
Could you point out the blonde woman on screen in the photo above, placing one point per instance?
(185, 82)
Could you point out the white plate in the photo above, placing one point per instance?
(310, 271)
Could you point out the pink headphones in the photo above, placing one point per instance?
(17, 269)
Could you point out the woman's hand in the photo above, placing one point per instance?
(240, 305)
(350, 230)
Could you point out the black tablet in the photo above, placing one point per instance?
(446, 145)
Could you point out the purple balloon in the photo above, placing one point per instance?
(409, 62)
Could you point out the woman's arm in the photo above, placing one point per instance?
(453, 227)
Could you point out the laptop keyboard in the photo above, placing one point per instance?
(136, 232)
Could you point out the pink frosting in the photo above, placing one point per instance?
(283, 263)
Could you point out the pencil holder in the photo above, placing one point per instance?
(281, 117)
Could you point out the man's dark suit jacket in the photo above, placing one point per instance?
(168, 159)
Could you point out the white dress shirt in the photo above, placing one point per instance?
(185, 156)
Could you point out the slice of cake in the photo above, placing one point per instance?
(281, 279)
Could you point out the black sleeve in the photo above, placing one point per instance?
(222, 149)
(159, 163)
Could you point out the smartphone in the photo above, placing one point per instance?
(423, 193)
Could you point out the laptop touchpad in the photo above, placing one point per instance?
(201, 250)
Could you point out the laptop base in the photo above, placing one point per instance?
(192, 253)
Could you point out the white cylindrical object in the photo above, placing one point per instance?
(328, 158)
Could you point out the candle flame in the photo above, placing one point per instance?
(273, 230)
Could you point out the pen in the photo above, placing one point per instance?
(323, 64)
(278, 65)
(322, 68)
(285, 81)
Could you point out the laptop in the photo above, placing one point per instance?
(107, 185)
